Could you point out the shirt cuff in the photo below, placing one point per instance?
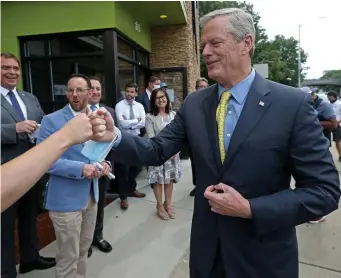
(118, 138)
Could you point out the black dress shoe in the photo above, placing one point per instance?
(89, 252)
(39, 264)
(102, 245)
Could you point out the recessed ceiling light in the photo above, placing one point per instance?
(163, 16)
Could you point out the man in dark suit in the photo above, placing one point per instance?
(94, 102)
(248, 137)
(20, 115)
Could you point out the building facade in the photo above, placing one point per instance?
(118, 42)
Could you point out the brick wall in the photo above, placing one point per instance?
(174, 46)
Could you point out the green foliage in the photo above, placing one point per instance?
(332, 74)
(280, 53)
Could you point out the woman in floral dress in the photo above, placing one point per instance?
(162, 177)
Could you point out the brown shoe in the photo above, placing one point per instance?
(136, 194)
(124, 204)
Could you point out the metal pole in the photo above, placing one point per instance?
(299, 56)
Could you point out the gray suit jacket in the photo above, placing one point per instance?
(14, 144)
(278, 135)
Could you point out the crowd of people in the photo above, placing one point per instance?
(247, 137)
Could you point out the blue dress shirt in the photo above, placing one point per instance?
(235, 105)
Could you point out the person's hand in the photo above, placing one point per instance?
(103, 125)
(90, 171)
(106, 169)
(26, 126)
(225, 200)
(77, 130)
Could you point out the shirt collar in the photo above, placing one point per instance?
(96, 105)
(75, 113)
(5, 91)
(241, 89)
(132, 102)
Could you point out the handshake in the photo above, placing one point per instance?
(99, 126)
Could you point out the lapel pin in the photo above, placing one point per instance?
(261, 103)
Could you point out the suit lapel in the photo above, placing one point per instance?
(256, 105)
(28, 105)
(5, 104)
(209, 106)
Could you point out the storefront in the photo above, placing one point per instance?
(118, 42)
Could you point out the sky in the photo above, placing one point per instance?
(320, 38)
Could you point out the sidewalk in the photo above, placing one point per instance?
(143, 245)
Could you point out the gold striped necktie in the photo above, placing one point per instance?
(220, 116)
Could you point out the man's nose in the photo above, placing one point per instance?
(207, 51)
(11, 70)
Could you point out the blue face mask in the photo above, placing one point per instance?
(96, 151)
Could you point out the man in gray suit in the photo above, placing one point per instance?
(248, 137)
(20, 115)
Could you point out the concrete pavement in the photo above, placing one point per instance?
(147, 247)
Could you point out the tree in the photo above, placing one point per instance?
(280, 53)
(331, 74)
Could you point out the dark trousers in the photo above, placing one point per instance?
(103, 184)
(126, 179)
(217, 270)
(26, 209)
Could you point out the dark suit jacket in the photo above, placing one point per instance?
(144, 100)
(277, 136)
(14, 144)
(113, 115)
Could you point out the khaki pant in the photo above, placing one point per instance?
(74, 233)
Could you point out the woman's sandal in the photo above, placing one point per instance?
(170, 211)
(162, 213)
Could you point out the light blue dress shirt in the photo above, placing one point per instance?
(235, 105)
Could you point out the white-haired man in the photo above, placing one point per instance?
(247, 136)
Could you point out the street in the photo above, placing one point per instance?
(146, 247)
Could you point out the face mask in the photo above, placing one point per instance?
(96, 152)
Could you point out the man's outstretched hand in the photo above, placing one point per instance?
(103, 126)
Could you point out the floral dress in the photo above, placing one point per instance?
(170, 171)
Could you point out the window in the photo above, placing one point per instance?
(126, 74)
(142, 58)
(76, 45)
(141, 80)
(36, 48)
(125, 48)
(39, 72)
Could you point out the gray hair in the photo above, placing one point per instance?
(240, 23)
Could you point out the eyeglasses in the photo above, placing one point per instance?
(161, 98)
(77, 90)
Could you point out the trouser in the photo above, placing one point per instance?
(126, 179)
(74, 233)
(26, 209)
(103, 183)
